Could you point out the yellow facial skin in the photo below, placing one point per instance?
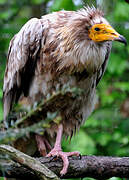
(103, 32)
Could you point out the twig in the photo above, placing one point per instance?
(36, 113)
(50, 99)
(11, 135)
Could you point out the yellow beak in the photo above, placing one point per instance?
(105, 32)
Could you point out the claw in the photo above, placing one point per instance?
(61, 176)
(64, 156)
(52, 158)
(57, 151)
(80, 156)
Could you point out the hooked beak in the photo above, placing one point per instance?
(105, 32)
(121, 39)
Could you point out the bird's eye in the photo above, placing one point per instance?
(97, 29)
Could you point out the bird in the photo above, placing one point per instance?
(64, 47)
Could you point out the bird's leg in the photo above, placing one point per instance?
(41, 144)
(57, 151)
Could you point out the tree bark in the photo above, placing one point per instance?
(86, 166)
(39, 169)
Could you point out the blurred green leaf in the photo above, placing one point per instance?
(121, 12)
(103, 138)
(82, 143)
(3, 1)
(63, 4)
(37, 1)
(123, 86)
(117, 64)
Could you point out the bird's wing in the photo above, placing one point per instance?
(104, 65)
(22, 57)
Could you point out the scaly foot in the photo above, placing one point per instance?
(64, 156)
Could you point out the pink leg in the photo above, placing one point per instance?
(57, 151)
(41, 145)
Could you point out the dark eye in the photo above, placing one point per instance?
(97, 29)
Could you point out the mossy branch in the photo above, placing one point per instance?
(11, 135)
(40, 170)
(25, 167)
(18, 129)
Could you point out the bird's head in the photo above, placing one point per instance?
(104, 32)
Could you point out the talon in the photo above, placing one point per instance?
(57, 152)
(61, 175)
(64, 156)
(80, 156)
(53, 157)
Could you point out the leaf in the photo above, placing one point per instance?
(124, 86)
(103, 138)
(117, 65)
(63, 4)
(121, 12)
(82, 143)
(37, 1)
(3, 1)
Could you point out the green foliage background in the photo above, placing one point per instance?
(106, 132)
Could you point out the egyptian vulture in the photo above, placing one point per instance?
(65, 47)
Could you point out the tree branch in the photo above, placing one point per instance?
(88, 166)
(40, 170)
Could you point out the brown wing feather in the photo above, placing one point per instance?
(104, 65)
(22, 57)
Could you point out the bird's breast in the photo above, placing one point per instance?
(84, 56)
(91, 57)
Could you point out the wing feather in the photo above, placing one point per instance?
(104, 65)
(22, 56)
